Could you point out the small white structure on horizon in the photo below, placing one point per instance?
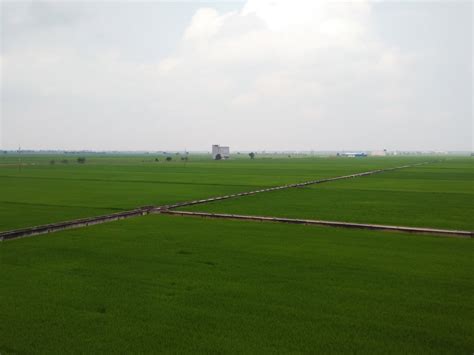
(379, 153)
(354, 154)
(219, 152)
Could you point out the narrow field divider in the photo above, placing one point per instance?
(77, 223)
(282, 187)
(417, 230)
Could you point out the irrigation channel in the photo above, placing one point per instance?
(166, 209)
(417, 230)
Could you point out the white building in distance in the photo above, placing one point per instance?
(379, 153)
(219, 152)
(354, 154)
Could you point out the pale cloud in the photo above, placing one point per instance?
(271, 75)
(290, 73)
(205, 24)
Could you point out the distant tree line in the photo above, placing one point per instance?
(80, 160)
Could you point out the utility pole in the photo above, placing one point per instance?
(19, 159)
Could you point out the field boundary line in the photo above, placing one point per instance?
(417, 230)
(141, 211)
(72, 224)
(283, 187)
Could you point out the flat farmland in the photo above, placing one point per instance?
(41, 192)
(439, 195)
(188, 285)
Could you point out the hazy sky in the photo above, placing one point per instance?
(289, 75)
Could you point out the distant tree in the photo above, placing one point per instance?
(184, 158)
(81, 160)
(252, 155)
(156, 159)
(169, 158)
(52, 162)
(64, 161)
(218, 157)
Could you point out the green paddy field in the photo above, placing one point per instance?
(173, 284)
(42, 193)
(437, 195)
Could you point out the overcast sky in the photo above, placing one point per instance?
(273, 75)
